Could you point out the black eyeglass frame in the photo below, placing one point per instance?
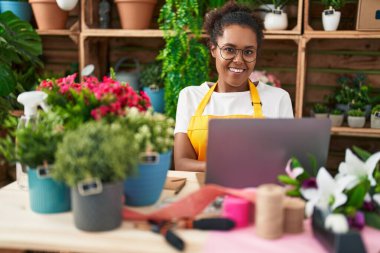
(236, 53)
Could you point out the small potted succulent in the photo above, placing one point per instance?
(154, 136)
(154, 85)
(356, 118)
(320, 111)
(336, 117)
(330, 16)
(36, 146)
(93, 160)
(375, 117)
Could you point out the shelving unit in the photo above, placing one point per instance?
(94, 47)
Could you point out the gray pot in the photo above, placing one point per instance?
(356, 122)
(336, 120)
(375, 121)
(321, 115)
(100, 211)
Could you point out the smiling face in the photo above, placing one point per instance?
(234, 73)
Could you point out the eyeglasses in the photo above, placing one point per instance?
(229, 53)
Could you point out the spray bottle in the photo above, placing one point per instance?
(31, 100)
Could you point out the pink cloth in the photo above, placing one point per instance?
(237, 209)
(245, 240)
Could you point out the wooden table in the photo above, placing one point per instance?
(20, 228)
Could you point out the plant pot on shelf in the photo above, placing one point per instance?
(135, 14)
(356, 122)
(336, 120)
(330, 19)
(132, 76)
(156, 96)
(48, 15)
(97, 206)
(276, 20)
(20, 9)
(375, 120)
(47, 195)
(145, 188)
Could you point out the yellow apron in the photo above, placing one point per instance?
(198, 127)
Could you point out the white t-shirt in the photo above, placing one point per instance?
(275, 101)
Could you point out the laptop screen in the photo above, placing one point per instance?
(249, 152)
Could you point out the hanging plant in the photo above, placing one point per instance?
(185, 58)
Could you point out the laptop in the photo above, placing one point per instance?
(249, 152)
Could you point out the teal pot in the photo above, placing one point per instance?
(98, 210)
(145, 188)
(157, 98)
(47, 195)
(23, 10)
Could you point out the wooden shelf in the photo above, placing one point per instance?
(57, 32)
(358, 132)
(341, 35)
(152, 33)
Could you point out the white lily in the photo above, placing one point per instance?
(337, 223)
(293, 173)
(328, 189)
(357, 169)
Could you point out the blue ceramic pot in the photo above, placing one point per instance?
(23, 10)
(157, 98)
(47, 195)
(145, 188)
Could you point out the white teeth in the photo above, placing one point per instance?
(236, 70)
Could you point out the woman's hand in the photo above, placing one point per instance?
(185, 157)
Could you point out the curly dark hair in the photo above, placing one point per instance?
(230, 14)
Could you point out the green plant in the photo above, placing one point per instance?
(153, 131)
(20, 47)
(151, 75)
(36, 145)
(320, 108)
(336, 112)
(375, 109)
(356, 113)
(336, 4)
(96, 150)
(185, 59)
(7, 142)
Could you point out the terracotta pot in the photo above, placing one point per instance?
(48, 15)
(135, 14)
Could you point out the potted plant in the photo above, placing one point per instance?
(36, 146)
(330, 16)
(356, 118)
(375, 117)
(21, 8)
(336, 117)
(320, 111)
(48, 15)
(102, 156)
(154, 136)
(276, 19)
(135, 14)
(154, 85)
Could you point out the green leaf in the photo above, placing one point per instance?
(7, 80)
(294, 193)
(363, 154)
(372, 219)
(356, 195)
(287, 180)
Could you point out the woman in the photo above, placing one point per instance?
(235, 37)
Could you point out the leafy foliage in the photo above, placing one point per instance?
(96, 150)
(356, 113)
(185, 59)
(151, 76)
(320, 108)
(36, 144)
(336, 112)
(336, 4)
(375, 109)
(20, 47)
(7, 142)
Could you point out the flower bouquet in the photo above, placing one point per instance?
(266, 78)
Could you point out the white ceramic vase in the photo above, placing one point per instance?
(321, 115)
(67, 5)
(336, 120)
(277, 20)
(375, 121)
(356, 122)
(330, 19)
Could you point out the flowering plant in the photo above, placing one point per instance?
(263, 77)
(354, 193)
(153, 131)
(91, 99)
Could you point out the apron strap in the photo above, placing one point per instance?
(257, 113)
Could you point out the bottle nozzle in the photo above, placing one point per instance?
(31, 100)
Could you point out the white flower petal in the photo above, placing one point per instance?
(309, 193)
(297, 171)
(309, 207)
(325, 182)
(370, 166)
(337, 223)
(339, 199)
(346, 182)
(354, 164)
